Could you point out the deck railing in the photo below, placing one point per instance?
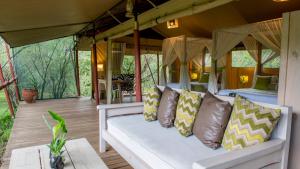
(8, 83)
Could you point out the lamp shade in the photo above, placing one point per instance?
(244, 79)
(100, 67)
(194, 76)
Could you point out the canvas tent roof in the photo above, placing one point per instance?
(31, 21)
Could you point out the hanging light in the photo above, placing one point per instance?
(129, 9)
(280, 0)
(171, 24)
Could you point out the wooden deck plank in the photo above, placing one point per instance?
(82, 121)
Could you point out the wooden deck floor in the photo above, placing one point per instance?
(82, 121)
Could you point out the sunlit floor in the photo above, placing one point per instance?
(81, 118)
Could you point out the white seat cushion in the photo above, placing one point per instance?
(159, 146)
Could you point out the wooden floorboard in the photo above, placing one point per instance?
(82, 121)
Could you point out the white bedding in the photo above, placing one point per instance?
(151, 140)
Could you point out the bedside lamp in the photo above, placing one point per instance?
(100, 67)
(244, 79)
(194, 76)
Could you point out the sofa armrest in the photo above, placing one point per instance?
(111, 110)
(235, 158)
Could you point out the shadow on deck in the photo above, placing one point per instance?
(82, 121)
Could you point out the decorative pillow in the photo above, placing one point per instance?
(263, 83)
(211, 120)
(151, 103)
(167, 107)
(187, 108)
(249, 124)
(204, 78)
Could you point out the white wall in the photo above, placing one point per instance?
(289, 85)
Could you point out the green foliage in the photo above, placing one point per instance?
(59, 132)
(47, 66)
(241, 58)
(6, 123)
(149, 68)
(85, 73)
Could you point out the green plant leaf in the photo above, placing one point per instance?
(59, 119)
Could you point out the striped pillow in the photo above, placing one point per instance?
(187, 109)
(249, 124)
(151, 104)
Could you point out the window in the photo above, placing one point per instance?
(241, 58)
(274, 63)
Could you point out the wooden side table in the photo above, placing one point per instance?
(78, 154)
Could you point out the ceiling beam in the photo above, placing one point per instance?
(172, 9)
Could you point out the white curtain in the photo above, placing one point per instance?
(186, 50)
(268, 33)
(118, 52)
(169, 56)
(223, 42)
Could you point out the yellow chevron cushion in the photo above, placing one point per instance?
(187, 108)
(151, 103)
(249, 124)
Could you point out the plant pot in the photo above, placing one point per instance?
(56, 162)
(30, 95)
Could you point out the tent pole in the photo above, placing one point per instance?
(95, 76)
(203, 61)
(12, 71)
(109, 71)
(157, 59)
(259, 59)
(77, 72)
(137, 53)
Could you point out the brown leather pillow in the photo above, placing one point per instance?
(211, 120)
(167, 107)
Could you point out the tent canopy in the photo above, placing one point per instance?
(268, 33)
(186, 49)
(31, 21)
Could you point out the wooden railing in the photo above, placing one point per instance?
(5, 83)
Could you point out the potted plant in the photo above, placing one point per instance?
(59, 132)
(30, 94)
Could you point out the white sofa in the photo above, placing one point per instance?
(148, 145)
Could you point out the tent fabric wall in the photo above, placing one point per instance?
(186, 49)
(268, 33)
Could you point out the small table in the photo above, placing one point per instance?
(78, 154)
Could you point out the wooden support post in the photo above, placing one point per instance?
(92, 77)
(109, 71)
(203, 61)
(229, 71)
(95, 77)
(77, 72)
(157, 58)
(12, 71)
(259, 59)
(11, 109)
(137, 53)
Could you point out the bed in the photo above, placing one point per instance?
(265, 96)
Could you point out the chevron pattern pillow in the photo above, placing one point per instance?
(187, 108)
(151, 104)
(249, 124)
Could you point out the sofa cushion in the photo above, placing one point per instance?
(187, 109)
(249, 124)
(151, 103)
(160, 147)
(167, 107)
(211, 120)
